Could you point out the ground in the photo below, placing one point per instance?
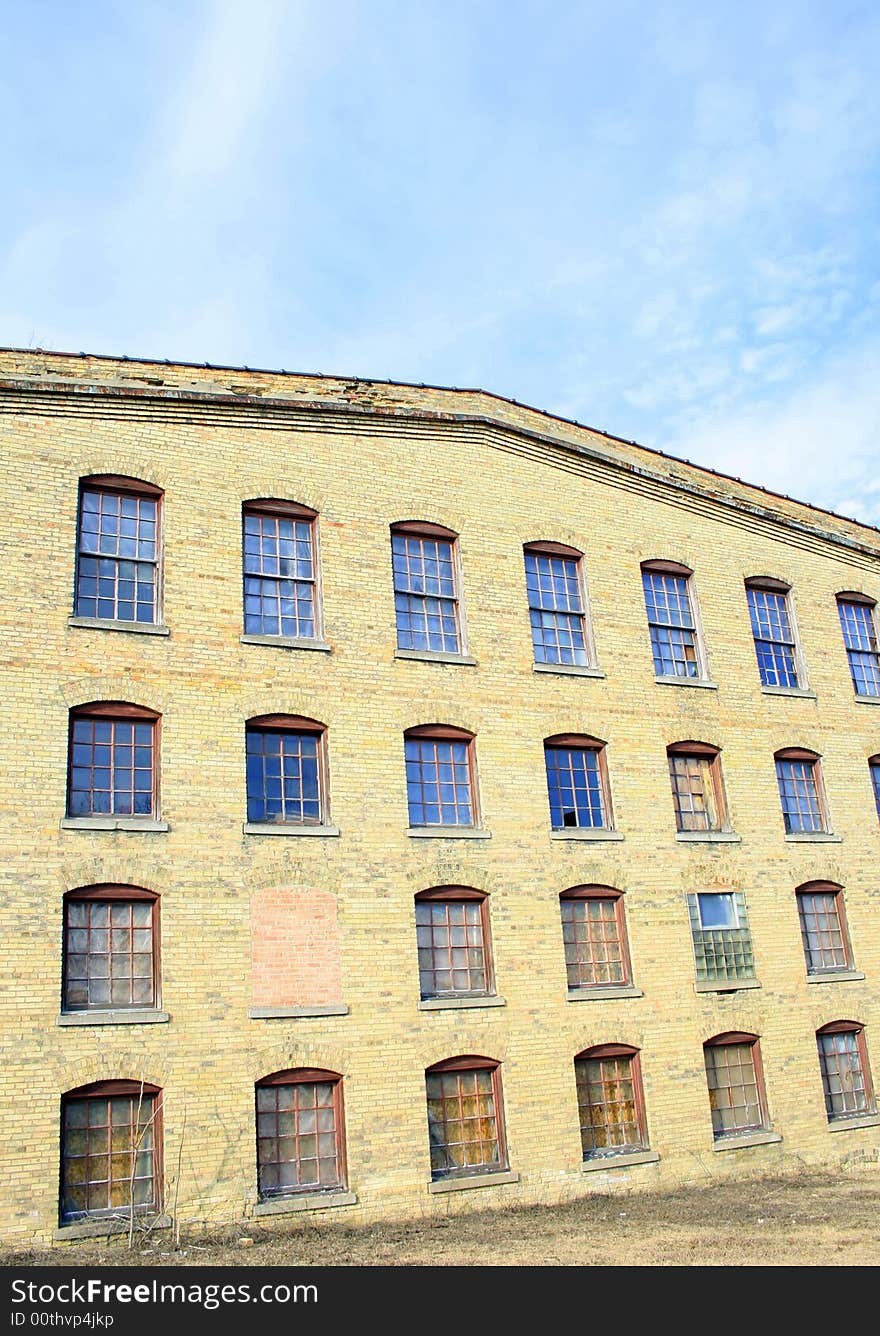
(812, 1220)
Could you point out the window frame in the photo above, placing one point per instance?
(427, 531)
(832, 889)
(115, 712)
(676, 570)
(765, 584)
(703, 752)
(731, 1038)
(275, 508)
(450, 895)
(853, 598)
(304, 1076)
(467, 1063)
(874, 776)
(299, 726)
(584, 893)
(582, 742)
(566, 553)
(445, 733)
(794, 756)
(602, 1053)
(856, 1029)
(112, 893)
(113, 484)
(717, 943)
(108, 1090)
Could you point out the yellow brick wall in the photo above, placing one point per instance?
(497, 495)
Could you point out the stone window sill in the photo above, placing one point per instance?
(316, 1201)
(854, 1123)
(724, 985)
(136, 628)
(279, 828)
(435, 656)
(448, 833)
(801, 693)
(867, 700)
(708, 837)
(456, 1003)
(621, 1161)
(813, 837)
(836, 976)
(117, 1016)
(746, 1139)
(295, 1013)
(585, 833)
(568, 669)
(145, 824)
(473, 1181)
(287, 642)
(102, 1228)
(601, 992)
(706, 683)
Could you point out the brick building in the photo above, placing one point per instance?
(413, 801)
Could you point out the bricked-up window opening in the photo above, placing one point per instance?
(118, 544)
(773, 632)
(113, 755)
(280, 570)
(671, 620)
(846, 1075)
(110, 948)
(300, 1141)
(874, 771)
(286, 771)
(736, 1086)
(110, 1150)
(721, 936)
(800, 791)
(594, 938)
(452, 934)
(426, 583)
(824, 929)
(556, 604)
(440, 784)
(857, 620)
(610, 1101)
(465, 1124)
(577, 782)
(697, 787)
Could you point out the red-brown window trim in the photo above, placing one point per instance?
(841, 1027)
(554, 550)
(600, 1052)
(587, 892)
(123, 711)
(467, 895)
(796, 754)
(595, 892)
(110, 891)
(705, 751)
(117, 482)
(663, 567)
(731, 1037)
(113, 891)
(585, 742)
(107, 1090)
(570, 740)
(597, 1051)
(114, 709)
(857, 1029)
(424, 529)
(466, 1062)
(853, 596)
(820, 887)
(470, 1063)
(693, 749)
(274, 506)
(446, 732)
(768, 583)
(754, 1042)
(299, 1075)
(451, 893)
(874, 760)
(285, 723)
(310, 1076)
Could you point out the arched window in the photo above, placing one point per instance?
(858, 622)
(427, 589)
(452, 933)
(111, 949)
(610, 1101)
(300, 1132)
(672, 620)
(465, 1121)
(111, 1142)
(118, 551)
(281, 584)
(577, 782)
(874, 772)
(736, 1084)
(774, 632)
(824, 931)
(557, 605)
(287, 779)
(594, 939)
(697, 787)
(440, 776)
(113, 769)
(846, 1075)
(804, 808)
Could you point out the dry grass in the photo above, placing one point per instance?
(812, 1220)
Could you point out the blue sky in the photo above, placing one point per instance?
(661, 220)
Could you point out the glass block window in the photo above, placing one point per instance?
(112, 769)
(735, 1083)
(824, 929)
(117, 569)
(426, 597)
(285, 771)
(697, 788)
(874, 772)
(721, 937)
(594, 938)
(439, 779)
(110, 939)
(280, 575)
(577, 785)
(465, 1134)
(846, 1077)
(799, 792)
(610, 1102)
(671, 624)
(109, 1150)
(299, 1132)
(453, 944)
(556, 608)
(862, 647)
(773, 633)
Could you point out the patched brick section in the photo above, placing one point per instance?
(295, 958)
